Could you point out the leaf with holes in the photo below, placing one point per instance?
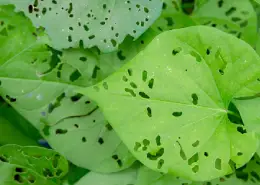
(39, 83)
(110, 62)
(172, 17)
(150, 177)
(30, 163)
(100, 23)
(235, 17)
(15, 174)
(126, 177)
(177, 93)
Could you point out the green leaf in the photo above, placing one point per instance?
(126, 177)
(30, 164)
(13, 174)
(235, 17)
(177, 93)
(42, 91)
(172, 17)
(14, 125)
(257, 1)
(104, 24)
(75, 174)
(9, 134)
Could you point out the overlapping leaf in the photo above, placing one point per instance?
(177, 93)
(172, 17)
(31, 165)
(11, 131)
(39, 83)
(99, 23)
(235, 17)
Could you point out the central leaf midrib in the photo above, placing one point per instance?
(167, 101)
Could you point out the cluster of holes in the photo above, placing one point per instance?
(239, 20)
(152, 155)
(19, 176)
(5, 28)
(218, 55)
(193, 161)
(134, 86)
(39, 9)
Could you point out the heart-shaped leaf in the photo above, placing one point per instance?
(169, 105)
(104, 24)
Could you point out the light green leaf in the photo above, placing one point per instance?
(147, 176)
(99, 23)
(247, 175)
(177, 93)
(42, 91)
(126, 177)
(28, 164)
(232, 16)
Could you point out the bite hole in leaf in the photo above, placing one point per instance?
(195, 169)
(218, 165)
(76, 97)
(177, 114)
(137, 146)
(151, 83)
(18, 178)
(100, 140)
(130, 91)
(196, 144)
(160, 163)
(144, 95)
(61, 131)
(144, 76)
(133, 85)
(176, 51)
(193, 159)
(149, 111)
(230, 11)
(196, 55)
(158, 140)
(105, 85)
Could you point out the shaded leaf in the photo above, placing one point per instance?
(235, 17)
(42, 91)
